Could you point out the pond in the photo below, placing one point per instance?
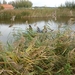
(7, 27)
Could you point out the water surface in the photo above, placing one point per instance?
(6, 31)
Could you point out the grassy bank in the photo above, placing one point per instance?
(25, 13)
(35, 13)
(32, 53)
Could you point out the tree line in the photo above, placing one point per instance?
(19, 3)
(68, 4)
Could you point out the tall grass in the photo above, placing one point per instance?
(34, 13)
(50, 53)
(22, 13)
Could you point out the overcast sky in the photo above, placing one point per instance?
(50, 3)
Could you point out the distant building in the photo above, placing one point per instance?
(6, 6)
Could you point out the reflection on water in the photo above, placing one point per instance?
(7, 28)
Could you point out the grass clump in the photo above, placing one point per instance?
(50, 53)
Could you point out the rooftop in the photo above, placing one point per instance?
(7, 5)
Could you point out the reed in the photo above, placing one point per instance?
(33, 53)
(35, 13)
(50, 53)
